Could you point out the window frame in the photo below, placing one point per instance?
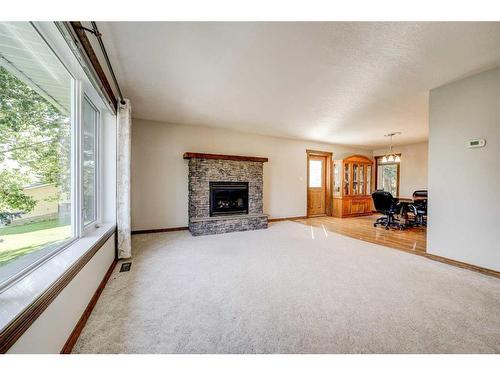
(81, 88)
(90, 226)
(398, 181)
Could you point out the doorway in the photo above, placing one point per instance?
(319, 172)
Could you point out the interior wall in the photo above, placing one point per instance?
(160, 174)
(464, 183)
(49, 332)
(413, 167)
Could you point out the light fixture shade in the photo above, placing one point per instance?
(390, 158)
(384, 159)
(397, 159)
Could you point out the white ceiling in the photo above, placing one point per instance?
(347, 83)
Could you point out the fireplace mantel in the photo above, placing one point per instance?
(196, 155)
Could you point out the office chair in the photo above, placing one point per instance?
(389, 207)
(419, 207)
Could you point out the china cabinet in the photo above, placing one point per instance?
(352, 186)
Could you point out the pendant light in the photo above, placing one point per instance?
(391, 157)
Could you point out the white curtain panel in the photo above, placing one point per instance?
(123, 180)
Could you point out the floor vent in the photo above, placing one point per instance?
(125, 267)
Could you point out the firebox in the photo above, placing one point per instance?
(228, 198)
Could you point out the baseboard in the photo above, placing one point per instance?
(160, 230)
(287, 218)
(70, 343)
(145, 231)
(456, 263)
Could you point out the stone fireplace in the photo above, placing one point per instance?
(225, 193)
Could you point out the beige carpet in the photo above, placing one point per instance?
(289, 289)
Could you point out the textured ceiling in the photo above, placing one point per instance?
(347, 83)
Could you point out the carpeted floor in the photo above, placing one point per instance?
(289, 289)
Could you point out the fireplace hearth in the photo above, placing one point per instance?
(228, 198)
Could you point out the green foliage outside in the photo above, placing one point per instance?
(390, 179)
(34, 141)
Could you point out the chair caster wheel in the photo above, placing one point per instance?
(386, 228)
(375, 225)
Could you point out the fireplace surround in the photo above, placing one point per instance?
(225, 193)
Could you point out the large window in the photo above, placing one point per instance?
(48, 192)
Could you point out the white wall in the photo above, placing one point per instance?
(160, 174)
(464, 184)
(413, 167)
(49, 332)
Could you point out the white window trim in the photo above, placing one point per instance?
(19, 295)
(89, 227)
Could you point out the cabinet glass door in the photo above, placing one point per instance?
(361, 189)
(347, 178)
(369, 180)
(355, 178)
(336, 179)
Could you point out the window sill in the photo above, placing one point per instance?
(26, 299)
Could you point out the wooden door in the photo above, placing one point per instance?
(316, 185)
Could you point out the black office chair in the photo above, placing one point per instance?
(389, 207)
(419, 207)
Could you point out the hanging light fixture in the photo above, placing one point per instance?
(391, 157)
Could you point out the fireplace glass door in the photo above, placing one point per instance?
(228, 198)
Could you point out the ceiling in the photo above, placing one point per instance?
(338, 82)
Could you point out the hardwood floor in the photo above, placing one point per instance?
(412, 240)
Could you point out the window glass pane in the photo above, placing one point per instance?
(89, 162)
(315, 173)
(387, 176)
(35, 149)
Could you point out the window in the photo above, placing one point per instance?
(49, 158)
(35, 148)
(388, 177)
(89, 160)
(315, 173)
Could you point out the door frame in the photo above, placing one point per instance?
(328, 180)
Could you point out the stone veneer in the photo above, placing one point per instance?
(201, 172)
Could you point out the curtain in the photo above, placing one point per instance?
(124, 130)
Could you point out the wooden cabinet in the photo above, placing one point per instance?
(352, 186)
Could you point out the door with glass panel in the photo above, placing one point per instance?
(317, 184)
